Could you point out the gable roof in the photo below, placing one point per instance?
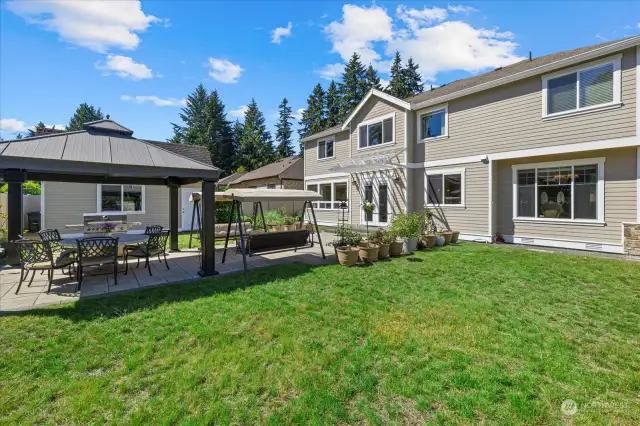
(107, 125)
(287, 168)
(229, 179)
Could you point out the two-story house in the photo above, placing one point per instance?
(545, 152)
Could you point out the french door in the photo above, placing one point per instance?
(376, 191)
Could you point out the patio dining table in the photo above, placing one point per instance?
(123, 240)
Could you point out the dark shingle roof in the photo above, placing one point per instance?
(288, 168)
(107, 126)
(502, 72)
(229, 179)
(193, 152)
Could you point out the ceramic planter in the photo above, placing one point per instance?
(455, 236)
(395, 248)
(383, 251)
(439, 240)
(410, 244)
(347, 256)
(429, 241)
(368, 252)
(447, 237)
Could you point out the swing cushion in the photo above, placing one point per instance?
(268, 241)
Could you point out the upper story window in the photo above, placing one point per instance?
(584, 88)
(376, 132)
(121, 198)
(433, 124)
(325, 148)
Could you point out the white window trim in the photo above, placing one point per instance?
(333, 193)
(331, 139)
(376, 180)
(99, 200)
(422, 112)
(378, 120)
(599, 221)
(616, 60)
(445, 172)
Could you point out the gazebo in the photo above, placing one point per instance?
(105, 152)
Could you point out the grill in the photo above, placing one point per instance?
(93, 223)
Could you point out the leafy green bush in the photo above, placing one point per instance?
(272, 217)
(29, 187)
(346, 236)
(407, 225)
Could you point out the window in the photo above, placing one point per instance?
(121, 198)
(333, 195)
(433, 124)
(376, 132)
(445, 188)
(271, 186)
(585, 88)
(558, 191)
(325, 149)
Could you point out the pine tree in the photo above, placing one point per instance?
(398, 84)
(332, 109)
(84, 114)
(38, 127)
(194, 117)
(19, 136)
(353, 87)
(219, 133)
(373, 81)
(283, 131)
(256, 145)
(413, 79)
(313, 117)
(238, 133)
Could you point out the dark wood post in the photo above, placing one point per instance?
(174, 215)
(207, 241)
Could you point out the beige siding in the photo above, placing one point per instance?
(473, 218)
(509, 118)
(375, 108)
(313, 166)
(620, 200)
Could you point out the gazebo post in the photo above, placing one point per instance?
(315, 224)
(208, 242)
(174, 214)
(15, 213)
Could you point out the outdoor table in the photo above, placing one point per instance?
(123, 239)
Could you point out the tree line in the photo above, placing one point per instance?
(329, 108)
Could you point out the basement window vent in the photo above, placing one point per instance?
(593, 246)
(527, 240)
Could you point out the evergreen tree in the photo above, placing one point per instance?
(398, 84)
(413, 79)
(84, 114)
(19, 136)
(332, 109)
(256, 145)
(38, 127)
(238, 133)
(194, 117)
(219, 134)
(313, 117)
(353, 87)
(283, 131)
(373, 81)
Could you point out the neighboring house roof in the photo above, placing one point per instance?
(229, 179)
(287, 168)
(504, 75)
(194, 152)
(107, 125)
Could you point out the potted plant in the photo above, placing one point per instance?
(454, 237)
(289, 223)
(447, 236)
(368, 208)
(382, 238)
(407, 227)
(346, 245)
(107, 228)
(428, 237)
(439, 239)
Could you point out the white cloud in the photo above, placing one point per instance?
(331, 71)
(324, 15)
(125, 67)
(224, 71)
(239, 113)
(384, 83)
(155, 100)
(97, 25)
(298, 114)
(435, 43)
(278, 33)
(12, 125)
(461, 8)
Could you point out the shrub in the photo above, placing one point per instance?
(272, 217)
(30, 187)
(407, 225)
(346, 236)
(379, 236)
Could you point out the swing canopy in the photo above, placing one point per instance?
(262, 194)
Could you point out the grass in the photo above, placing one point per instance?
(458, 335)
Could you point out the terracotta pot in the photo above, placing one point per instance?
(455, 236)
(395, 248)
(369, 254)
(383, 251)
(410, 244)
(447, 237)
(347, 256)
(289, 227)
(429, 241)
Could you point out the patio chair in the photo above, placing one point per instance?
(97, 251)
(37, 256)
(156, 246)
(52, 236)
(151, 229)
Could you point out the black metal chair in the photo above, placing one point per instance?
(97, 251)
(151, 229)
(37, 256)
(52, 236)
(156, 246)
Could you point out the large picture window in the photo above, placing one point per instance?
(570, 191)
(445, 188)
(585, 88)
(333, 195)
(121, 198)
(433, 124)
(376, 132)
(325, 149)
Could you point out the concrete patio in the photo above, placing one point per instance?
(184, 267)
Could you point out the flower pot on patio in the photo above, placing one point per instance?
(447, 237)
(368, 252)
(383, 250)
(409, 244)
(455, 236)
(347, 256)
(429, 241)
(395, 248)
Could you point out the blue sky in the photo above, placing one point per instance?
(138, 61)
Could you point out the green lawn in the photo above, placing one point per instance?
(460, 335)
